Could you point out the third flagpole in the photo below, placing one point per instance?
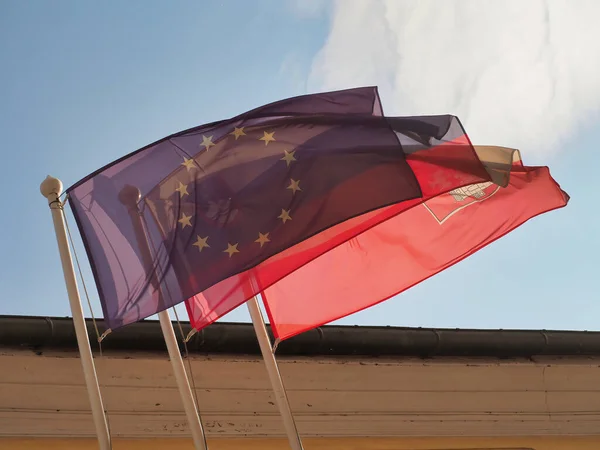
(185, 390)
(274, 376)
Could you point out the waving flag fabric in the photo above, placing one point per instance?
(221, 212)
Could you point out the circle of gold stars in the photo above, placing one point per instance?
(289, 157)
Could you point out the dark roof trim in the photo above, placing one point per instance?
(46, 333)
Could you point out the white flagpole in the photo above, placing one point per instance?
(51, 188)
(274, 376)
(183, 383)
(130, 196)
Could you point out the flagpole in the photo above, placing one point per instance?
(187, 397)
(274, 376)
(130, 196)
(51, 188)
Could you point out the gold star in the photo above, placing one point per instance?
(207, 142)
(182, 189)
(238, 132)
(294, 185)
(188, 163)
(201, 242)
(231, 249)
(285, 215)
(288, 157)
(267, 137)
(185, 221)
(262, 239)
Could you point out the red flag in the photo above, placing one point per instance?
(370, 258)
(418, 240)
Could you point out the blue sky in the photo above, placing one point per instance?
(83, 83)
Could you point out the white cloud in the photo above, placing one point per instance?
(518, 73)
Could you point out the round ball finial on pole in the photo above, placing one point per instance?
(130, 196)
(51, 186)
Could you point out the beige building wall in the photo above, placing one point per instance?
(339, 403)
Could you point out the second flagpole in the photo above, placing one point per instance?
(130, 196)
(274, 376)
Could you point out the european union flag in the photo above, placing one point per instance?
(209, 210)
